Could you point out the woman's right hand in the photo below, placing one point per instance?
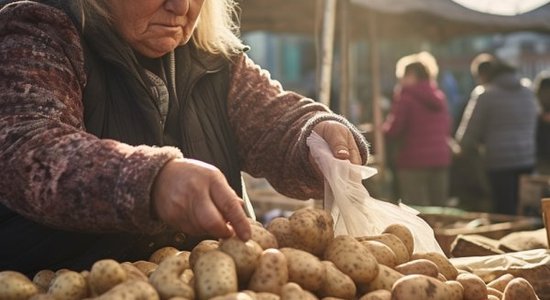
(195, 198)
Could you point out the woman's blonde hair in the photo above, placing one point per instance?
(425, 59)
(217, 29)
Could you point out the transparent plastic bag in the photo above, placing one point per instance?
(354, 211)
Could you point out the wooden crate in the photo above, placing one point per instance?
(448, 226)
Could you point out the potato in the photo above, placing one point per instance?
(263, 237)
(271, 273)
(280, 228)
(42, 279)
(166, 278)
(253, 222)
(383, 281)
(188, 277)
(492, 297)
(395, 244)
(215, 275)
(336, 283)
(201, 248)
(131, 290)
(132, 272)
(304, 268)
(161, 254)
(422, 287)
(444, 265)
(312, 228)
(404, 234)
(146, 267)
(352, 259)
(494, 292)
(234, 296)
(418, 266)
(519, 289)
(383, 254)
(69, 285)
(292, 291)
(104, 275)
(501, 282)
(474, 287)
(377, 295)
(42, 297)
(267, 296)
(14, 285)
(244, 254)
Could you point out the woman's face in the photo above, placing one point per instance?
(155, 27)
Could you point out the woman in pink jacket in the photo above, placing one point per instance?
(419, 123)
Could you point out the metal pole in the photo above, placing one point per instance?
(344, 57)
(329, 16)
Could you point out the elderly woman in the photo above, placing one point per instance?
(125, 124)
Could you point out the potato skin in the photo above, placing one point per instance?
(244, 254)
(444, 265)
(377, 295)
(215, 275)
(383, 254)
(501, 282)
(519, 289)
(395, 244)
(313, 229)
(384, 280)
(69, 285)
(304, 268)
(422, 287)
(418, 266)
(16, 286)
(263, 237)
(104, 275)
(42, 279)
(474, 287)
(352, 258)
(404, 234)
(292, 291)
(280, 228)
(166, 278)
(161, 254)
(271, 273)
(336, 284)
(201, 248)
(131, 290)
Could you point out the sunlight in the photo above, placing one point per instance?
(502, 7)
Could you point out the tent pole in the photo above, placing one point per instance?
(344, 57)
(329, 16)
(374, 57)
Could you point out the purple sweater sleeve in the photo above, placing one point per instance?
(272, 125)
(54, 172)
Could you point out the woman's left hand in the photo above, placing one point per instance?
(340, 140)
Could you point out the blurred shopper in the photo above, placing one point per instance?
(500, 120)
(542, 90)
(419, 123)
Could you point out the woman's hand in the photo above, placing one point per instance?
(340, 140)
(195, 198)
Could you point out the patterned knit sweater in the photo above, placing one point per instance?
(57, 174)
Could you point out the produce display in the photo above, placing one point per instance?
(292, 258)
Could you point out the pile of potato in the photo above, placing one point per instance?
(294, 258)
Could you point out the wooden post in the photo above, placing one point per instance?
(545, 204)
(374, 56)
(329, 16)
(344, 57)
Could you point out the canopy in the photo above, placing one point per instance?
(433, 19)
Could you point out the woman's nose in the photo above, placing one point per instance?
(178, 7)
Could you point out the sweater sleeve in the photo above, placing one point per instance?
(272, 126)
(53, 172)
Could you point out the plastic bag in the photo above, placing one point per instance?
(354, 211)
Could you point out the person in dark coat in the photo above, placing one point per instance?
(500, 120)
